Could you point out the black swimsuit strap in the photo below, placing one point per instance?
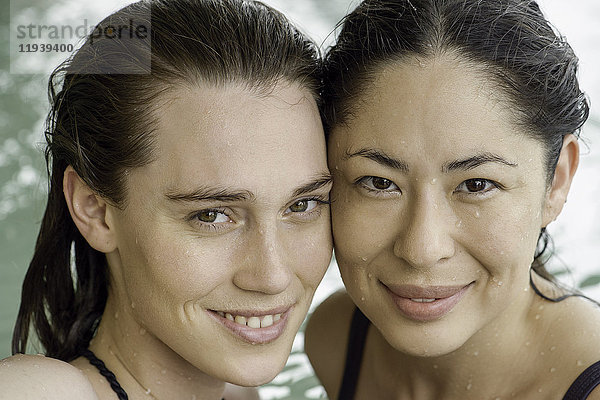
(105, 372)
(354, 354)
(585, 383)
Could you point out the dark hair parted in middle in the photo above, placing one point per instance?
(509, 41)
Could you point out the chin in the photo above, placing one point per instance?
(256, 374)
(425, 341)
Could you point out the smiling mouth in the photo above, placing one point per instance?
(426, 303)
(254, 327)
(254, 322)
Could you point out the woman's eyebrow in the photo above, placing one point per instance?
(211, 194)
(322, 180)
(475, 161)
(379, 157)
(221, 194)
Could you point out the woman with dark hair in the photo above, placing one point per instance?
(452, 134)
(187, 223)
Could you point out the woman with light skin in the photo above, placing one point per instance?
(452, 134)
(187, 224)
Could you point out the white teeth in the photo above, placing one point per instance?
(252, 322)
(423, 300)
(266, 321)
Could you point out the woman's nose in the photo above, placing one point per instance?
(425, 238)
(265, 267)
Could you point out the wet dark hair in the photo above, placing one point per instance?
(101, 121)
(509, 41)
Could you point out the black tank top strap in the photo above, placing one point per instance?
(585, 383)
(354, 354)
(105, 372)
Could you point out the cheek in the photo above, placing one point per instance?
(167, 272)
(361, 227)
(311, 253)
(503, 238)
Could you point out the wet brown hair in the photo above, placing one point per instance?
(510, 41)
(101, 123)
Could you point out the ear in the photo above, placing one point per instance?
(88, 211)
(563, 176)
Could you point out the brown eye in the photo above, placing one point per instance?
(377, 184)
(211, 216)
(299, 206)
(208, 216)
(381, 183)
(476, 185)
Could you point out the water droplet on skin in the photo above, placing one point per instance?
(164, 372)
(475, 353)
(542, 353)
(433, 181)
(370, 275)
(362, 299)
(132, 304)
(552, 348)
(337, 168)
(142, 331)
(117, 315)
(453, 278)
(527, 343)
(459, 224)
(500, 283)
(435, 366)
(194, 397)
(148, 391)
(537, 316)
(552, 369)
(469, 386)
(364, 258)
(158, 382)
(477, 214)
(540, 390)
(134, 354)
(541, 307)
(579, 363)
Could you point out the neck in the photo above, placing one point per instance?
(144, 365)
(471, 371)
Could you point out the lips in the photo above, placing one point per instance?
(426, 303)
(254, 327)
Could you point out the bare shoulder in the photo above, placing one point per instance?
(326, 338)
(572, 340)
(33, 377)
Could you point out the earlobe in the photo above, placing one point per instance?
(88, 211)
(563, 176)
